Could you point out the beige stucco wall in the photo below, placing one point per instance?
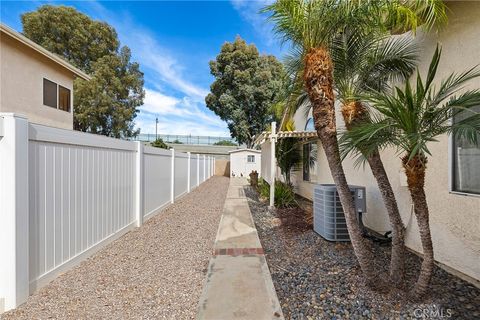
(222, 167)
(21, 83)
(454, 218)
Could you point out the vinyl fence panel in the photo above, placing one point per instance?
(157, 177)
(70, 193)
(79, 196)
(203, 166)
(193, 171)
(181, 174)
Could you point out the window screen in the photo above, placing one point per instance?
(63, 99)
(466, 162)
(49, 93)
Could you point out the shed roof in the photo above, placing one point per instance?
(38, 48)
(244, 150)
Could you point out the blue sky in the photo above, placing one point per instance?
(173, 41)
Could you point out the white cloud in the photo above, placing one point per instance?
(167, 68)
(181, 109)
(250, 12)
(157, 102)
(187, 127)
(184, 115)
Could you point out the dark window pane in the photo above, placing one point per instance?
(49, 93)
(63, 99)
(306, 161)
(309, 161)
(466, 162)
(251, 159)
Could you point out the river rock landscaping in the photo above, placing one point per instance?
(318, 279)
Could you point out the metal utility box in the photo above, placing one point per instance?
(328, 216)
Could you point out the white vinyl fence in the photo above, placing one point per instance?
(64, 194)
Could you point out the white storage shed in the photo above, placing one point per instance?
(244, 161)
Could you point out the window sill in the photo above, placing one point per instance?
(465, 194)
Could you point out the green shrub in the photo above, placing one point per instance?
(159, 144)
(284, 195)
(224, 143)
(263, 189)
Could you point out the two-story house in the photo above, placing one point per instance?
(35, 82)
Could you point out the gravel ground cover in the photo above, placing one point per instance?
(318, 279)
(153, 272)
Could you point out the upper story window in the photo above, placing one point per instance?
(309, 126)
(49, 93)
(251, 158)
(466, 163)
(63, 99)
(56, 96)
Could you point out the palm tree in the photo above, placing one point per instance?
(310, 27)
(409, 120)
(288, 157)
(366, 63)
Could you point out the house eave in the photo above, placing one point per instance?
(39, 49)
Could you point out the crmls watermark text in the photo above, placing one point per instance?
(432, 312)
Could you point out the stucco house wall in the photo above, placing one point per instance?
(21, 82)
(239, 166)
(454, 217)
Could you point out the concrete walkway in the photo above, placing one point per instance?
(238, 283)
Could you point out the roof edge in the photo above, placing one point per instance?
(245, 149)
(29, 43)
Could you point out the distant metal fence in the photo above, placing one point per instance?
(185, 139)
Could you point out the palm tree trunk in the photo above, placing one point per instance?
(355, 113)
(397, 260)
(415, 171)
(318, 80)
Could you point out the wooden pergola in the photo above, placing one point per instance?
(273, 136)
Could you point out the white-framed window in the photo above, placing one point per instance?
(56, 96)
(466, 163)
(251, 159)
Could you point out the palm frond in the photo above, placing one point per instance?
(364, 139)
(452, 84)
(392, 60)
(404, 15)
(468, 128)
(412, 118)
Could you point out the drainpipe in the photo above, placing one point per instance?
(273, 164)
